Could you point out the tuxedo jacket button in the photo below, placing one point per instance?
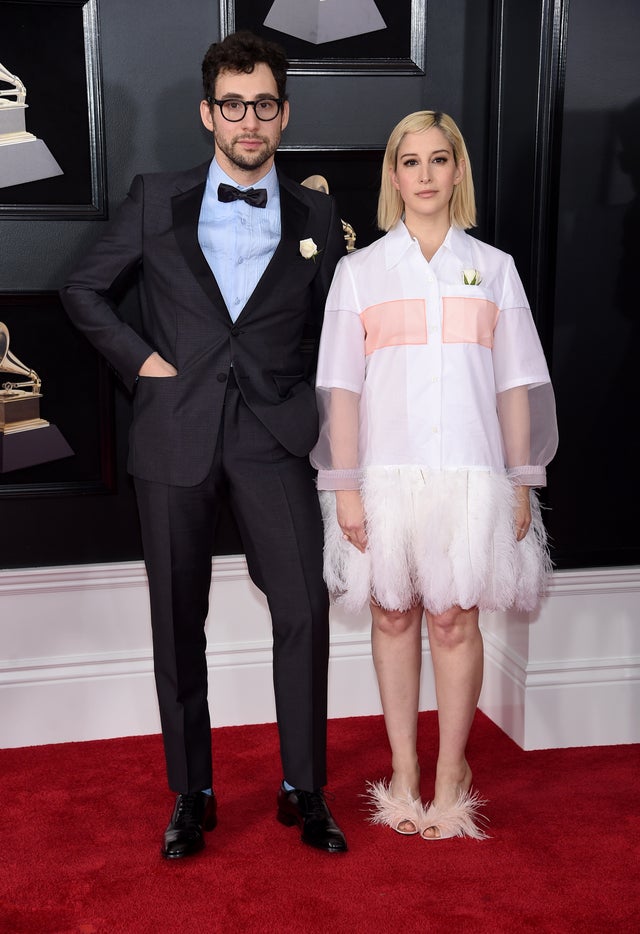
(222, 377)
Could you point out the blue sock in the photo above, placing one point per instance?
(287, 786)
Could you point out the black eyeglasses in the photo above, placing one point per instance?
(234, 110)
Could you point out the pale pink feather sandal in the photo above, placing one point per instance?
(462, 819)
(403, 814)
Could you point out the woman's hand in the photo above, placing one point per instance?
(522, 512)
(350, 513)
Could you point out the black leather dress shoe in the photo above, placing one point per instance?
(309, 810)
(192, 814)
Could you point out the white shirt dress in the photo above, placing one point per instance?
(435, 401)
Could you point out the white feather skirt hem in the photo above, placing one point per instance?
(437, 538)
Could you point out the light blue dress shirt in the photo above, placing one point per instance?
(237, 239)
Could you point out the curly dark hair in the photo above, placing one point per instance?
(241, 52)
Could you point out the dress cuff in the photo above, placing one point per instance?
(527, 475)
(340, 479)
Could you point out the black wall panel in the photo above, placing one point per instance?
(595, 509)
(552, 164)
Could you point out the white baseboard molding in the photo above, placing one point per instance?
(78, 663)
(77, 658)
(569, 676)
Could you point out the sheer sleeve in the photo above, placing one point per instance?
(339, 382)
(336, 453)
(529, 431)
(525, 400)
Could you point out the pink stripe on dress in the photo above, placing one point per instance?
(394, 324)
(469, 320)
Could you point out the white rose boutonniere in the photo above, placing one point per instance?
(471, 277)
(308, 249)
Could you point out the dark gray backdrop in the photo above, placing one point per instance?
(546, 191)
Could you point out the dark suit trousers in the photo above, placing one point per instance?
(273, 498)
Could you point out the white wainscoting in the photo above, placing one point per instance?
(75, 658)
(569, 674)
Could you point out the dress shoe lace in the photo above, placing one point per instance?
(309, 810)
(192, 814)
(313, 804)
(188, 809)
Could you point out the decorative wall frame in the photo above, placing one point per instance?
(77, 397)
(53, 48)
(395, 49)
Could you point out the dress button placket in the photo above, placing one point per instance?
(434, 326)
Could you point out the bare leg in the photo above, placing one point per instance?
(457, 655)
(397, 654)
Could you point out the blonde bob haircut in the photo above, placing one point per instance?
(462, 207)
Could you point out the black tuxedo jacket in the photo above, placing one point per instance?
(272, 345)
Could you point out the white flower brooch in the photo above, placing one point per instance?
(471, 277)
(308, 249)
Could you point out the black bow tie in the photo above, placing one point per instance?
(257, 197)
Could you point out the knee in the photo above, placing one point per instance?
(395, 622)
(453, 627)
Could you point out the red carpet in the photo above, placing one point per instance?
(81, 825)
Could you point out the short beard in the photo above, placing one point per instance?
(250, 161)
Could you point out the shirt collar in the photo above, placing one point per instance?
(398, 241)
(457, 243)
(217, 175)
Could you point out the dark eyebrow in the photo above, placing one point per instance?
(230, 96)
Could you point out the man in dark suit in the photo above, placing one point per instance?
(224, 408)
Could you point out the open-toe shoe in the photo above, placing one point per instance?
(462, 819)
(403, 814)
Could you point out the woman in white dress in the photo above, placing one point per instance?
(437, 421)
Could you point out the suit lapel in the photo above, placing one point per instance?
(186, 207)
(293, 218)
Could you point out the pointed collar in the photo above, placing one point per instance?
(396, 243)
(399, 241)
(457, 242)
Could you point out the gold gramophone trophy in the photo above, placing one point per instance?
(319, 183)
(25, 438)
(19, 407)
